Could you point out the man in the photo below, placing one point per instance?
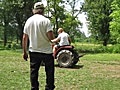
(63, 39)
(39, 32)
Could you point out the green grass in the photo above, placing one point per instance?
(92, 72)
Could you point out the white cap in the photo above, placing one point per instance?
(39, 5)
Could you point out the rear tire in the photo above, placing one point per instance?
(65, 58)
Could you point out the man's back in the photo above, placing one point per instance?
(63, 39)
(36, 27)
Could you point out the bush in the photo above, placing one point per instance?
(116, 48)
(91, 48)
(15, 46)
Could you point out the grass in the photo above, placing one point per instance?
(92, 72)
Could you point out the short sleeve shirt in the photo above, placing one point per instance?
(63, 39)
(36, 27)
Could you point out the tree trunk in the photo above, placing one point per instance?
(5, 37)
(105, 42)
(5, 29)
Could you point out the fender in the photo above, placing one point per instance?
(68, 47)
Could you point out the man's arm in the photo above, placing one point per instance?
(24, 46)
(55, 40)
(50, 35)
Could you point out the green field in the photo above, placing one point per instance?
(92, 72)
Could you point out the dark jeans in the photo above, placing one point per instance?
(35, 61)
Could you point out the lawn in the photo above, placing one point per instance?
(92, 72)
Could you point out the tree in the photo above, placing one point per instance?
(56, 12)
(14, 14)
(22, 12)
(115, 23)
(72, 18)
(5, 18)
(98, 12)
(61, 17)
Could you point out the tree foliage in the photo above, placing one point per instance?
(61, 17)
(14, 14)
(115, 23)
(98, 12)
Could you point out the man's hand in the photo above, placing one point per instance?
(53, 44)
(25, 56)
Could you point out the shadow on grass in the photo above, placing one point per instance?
(73, 67)
(77, 67)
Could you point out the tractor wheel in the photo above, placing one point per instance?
(65, 58)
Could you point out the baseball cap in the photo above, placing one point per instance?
(38, 5)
